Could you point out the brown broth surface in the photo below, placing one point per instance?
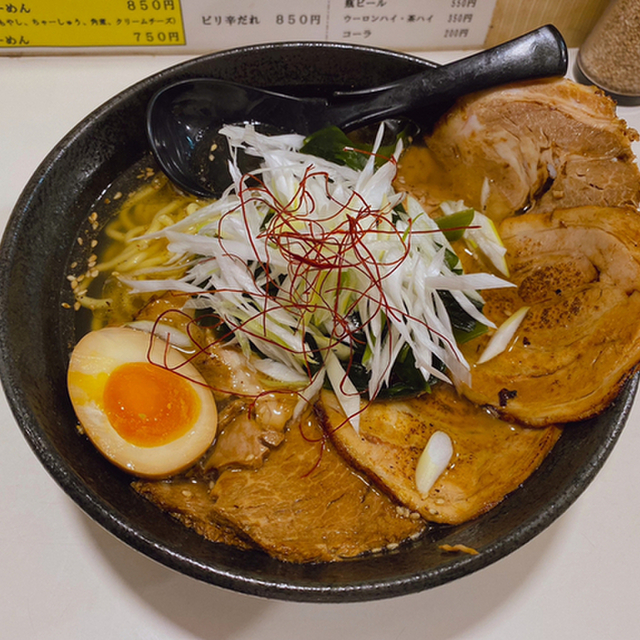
(421, 175)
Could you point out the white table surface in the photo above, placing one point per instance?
(63, 576)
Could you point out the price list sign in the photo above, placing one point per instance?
(78, 23)
(397, 24)
(199, 26)
(411, 24)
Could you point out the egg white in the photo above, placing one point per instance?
(94, 358)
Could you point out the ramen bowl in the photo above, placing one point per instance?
(37, 332)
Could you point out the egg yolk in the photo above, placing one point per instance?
(149, 406)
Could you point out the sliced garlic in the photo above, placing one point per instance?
(484, 193)
(433, 461)
(502, 337)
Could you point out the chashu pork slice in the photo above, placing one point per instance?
(187, 500)
(491, 458)
(536, 145)
(578, 271)
(306, 504)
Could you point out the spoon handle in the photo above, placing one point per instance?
(537, 54)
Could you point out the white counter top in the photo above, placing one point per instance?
(64, 577)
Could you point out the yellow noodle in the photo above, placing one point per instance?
(125, 219)
(159, 181)
(112, 233)
(134, 232)
(145, 211)
(94, 303)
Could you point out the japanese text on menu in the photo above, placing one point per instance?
(78, 23)
(393, 23)
(218, 24)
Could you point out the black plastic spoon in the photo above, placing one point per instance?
(183, 119)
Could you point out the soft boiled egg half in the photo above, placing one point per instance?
(142, 404)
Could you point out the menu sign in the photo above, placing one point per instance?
(192, 26)
(78, 23)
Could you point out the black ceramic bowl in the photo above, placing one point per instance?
(36, 334)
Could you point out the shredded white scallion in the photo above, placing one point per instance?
(502, 337)
(319, 260)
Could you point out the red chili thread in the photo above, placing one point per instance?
(311, 257)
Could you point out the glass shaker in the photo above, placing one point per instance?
(610, 55)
